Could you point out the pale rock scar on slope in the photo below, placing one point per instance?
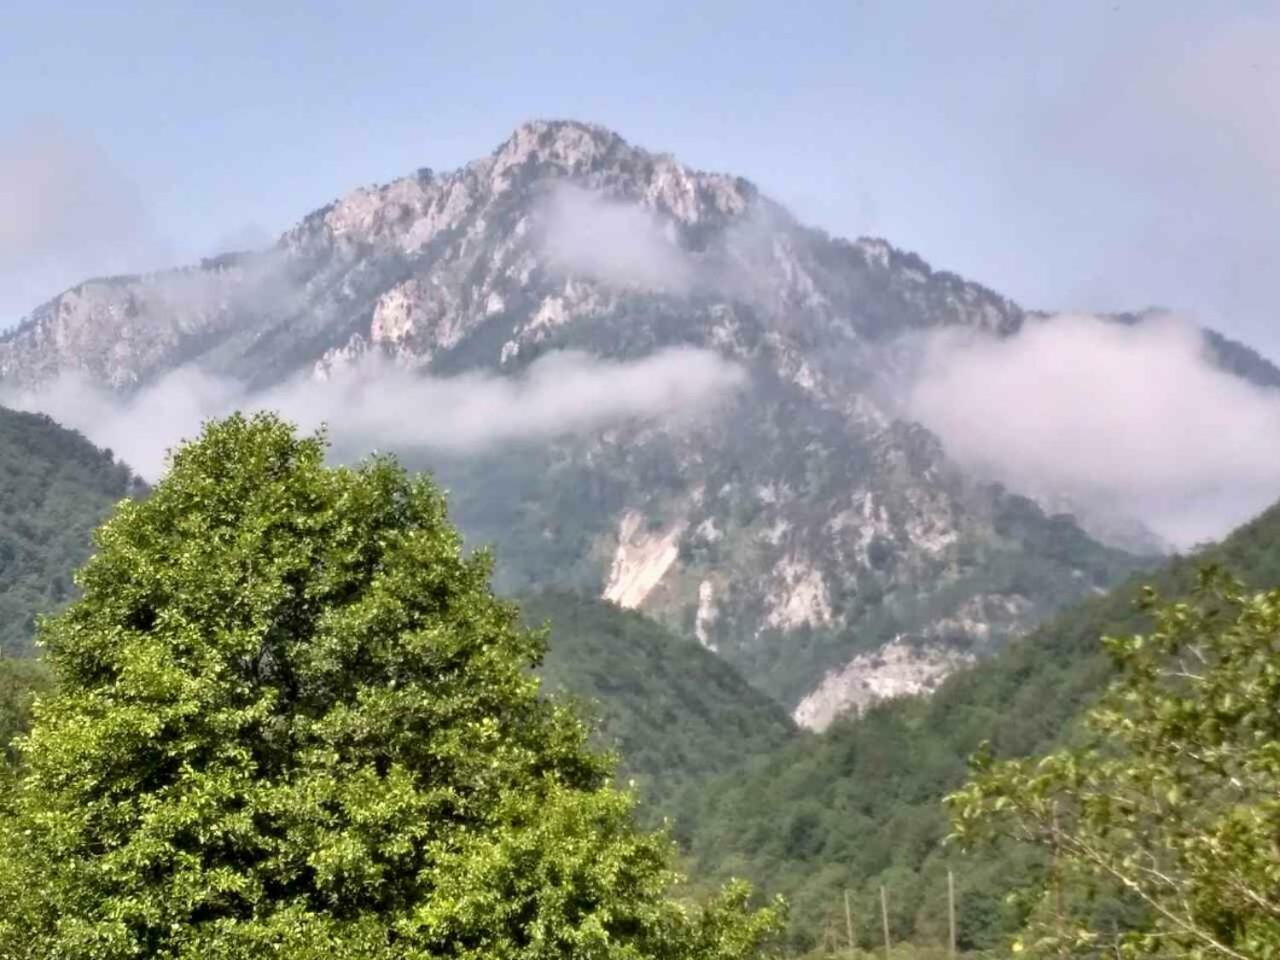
(800, 598)
(896, 669)
(901, 668)
(641, 560)
(707, 614)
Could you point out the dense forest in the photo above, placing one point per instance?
(55, 488)
(674, 713)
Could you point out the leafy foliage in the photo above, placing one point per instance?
(292, 719)
(860, 805)
(1176, 801)
(55, 487)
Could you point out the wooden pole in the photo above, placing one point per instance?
(1059, 912)
(848, 922)
(951, 910)
(884, 916)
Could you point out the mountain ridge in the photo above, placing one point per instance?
(800, 528)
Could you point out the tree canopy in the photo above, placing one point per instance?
(1174, 805)
(291, 719)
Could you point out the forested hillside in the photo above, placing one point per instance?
(55, 487)
(674, 712)
(860, 806)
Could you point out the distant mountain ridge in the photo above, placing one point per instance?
(804, 530)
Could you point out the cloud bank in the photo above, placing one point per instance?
(1130, 420)
(259, 283)
(610, 241)
(376, 404)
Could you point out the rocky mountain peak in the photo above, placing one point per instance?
(801, 528)
(567, 147)
(409, 213)
(600, 159)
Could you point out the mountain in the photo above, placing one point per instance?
(55, 488)
(675, 713)
(801, 526)
(859, 806)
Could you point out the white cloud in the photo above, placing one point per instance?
(377, 404)
(610, 241)
(1132, 420)
(260, 283)
(137, 428)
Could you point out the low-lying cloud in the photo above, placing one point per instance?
(1134, 420)
(377, 404)
(611, 241)
(259, 283)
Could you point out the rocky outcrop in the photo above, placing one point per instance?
(642, 559)
(897, 669)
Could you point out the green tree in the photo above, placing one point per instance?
(292, 720)
(1162, 830)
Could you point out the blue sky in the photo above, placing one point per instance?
(1076, 155)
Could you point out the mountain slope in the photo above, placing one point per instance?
(21, 680)
(801, 527)
(675, 713)
(860, 806)
(55, 487)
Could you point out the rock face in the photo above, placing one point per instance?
(801, 529)
(641, 560)
(897, 669)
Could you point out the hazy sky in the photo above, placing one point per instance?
(1078, 156)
